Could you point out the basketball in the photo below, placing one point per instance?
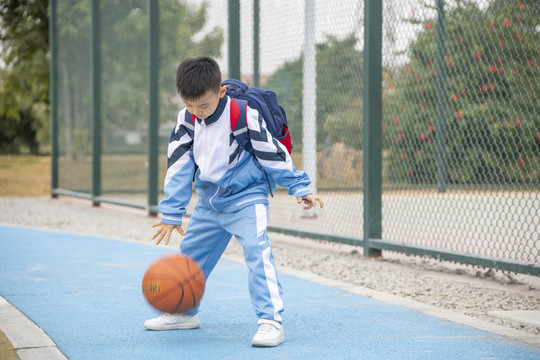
(173, 284)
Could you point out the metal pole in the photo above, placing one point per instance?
(372, 124)
(153, 105)
(95, 71)
(309, 101)
(256, 37)
(442, 95)
(53, 94)
(234, 39)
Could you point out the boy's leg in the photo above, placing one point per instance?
(205, 242)
(249, 226)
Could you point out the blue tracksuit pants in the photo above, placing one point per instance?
(206, 239)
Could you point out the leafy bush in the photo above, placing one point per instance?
(491, 128)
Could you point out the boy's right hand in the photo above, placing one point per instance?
(165, 231)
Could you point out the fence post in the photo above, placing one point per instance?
(53, 94)
(256, 37)
(95, 71)
(309, 92)
(442, 96)
(234, 39)
(372, 124)
(153, 105)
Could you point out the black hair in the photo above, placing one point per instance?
(196, 75)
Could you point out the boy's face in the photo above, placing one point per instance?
(206, 105)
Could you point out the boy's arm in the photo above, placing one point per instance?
(277, 162)
(179, 178)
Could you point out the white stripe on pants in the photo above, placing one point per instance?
(207, 236)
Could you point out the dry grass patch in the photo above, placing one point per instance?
(25, 175)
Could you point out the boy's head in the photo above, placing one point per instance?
(198, 81)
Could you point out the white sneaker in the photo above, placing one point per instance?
(270, 333)
(173, 322)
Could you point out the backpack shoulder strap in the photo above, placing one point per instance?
(239, 126)
(189, 123)
(240, 132)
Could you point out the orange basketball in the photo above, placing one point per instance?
(173, 284)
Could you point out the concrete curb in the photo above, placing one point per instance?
(29, 341)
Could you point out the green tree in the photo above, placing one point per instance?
(24, 77)
(492, 78)
(339, 92)
(124, 66)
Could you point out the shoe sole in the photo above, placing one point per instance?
(163, 328)
(268, 344)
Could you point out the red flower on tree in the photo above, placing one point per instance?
(507, 22)
(459, 114)
(478, 55)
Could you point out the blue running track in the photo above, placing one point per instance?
(85, 293)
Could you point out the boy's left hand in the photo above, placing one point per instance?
(311, 201)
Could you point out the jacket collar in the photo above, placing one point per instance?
(217, 114)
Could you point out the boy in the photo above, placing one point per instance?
(233, 194)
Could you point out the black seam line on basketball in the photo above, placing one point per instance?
(180, 301)
(164, 294)
(194, 301)
(193, 275)
(178, 267)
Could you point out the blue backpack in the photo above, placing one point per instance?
(265, 102)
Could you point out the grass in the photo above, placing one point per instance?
(25, 175)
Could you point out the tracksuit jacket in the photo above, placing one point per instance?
(233, 196)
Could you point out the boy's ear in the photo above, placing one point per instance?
(222, 91)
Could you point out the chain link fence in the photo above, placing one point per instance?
(460, 129)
